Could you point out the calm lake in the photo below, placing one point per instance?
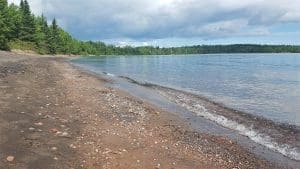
(266, 85)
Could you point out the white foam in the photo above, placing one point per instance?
(254, 135)
(109, 74)
(251, 133)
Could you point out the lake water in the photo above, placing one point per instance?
(262, 85)
(265, 85)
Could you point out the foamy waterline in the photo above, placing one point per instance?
(109, 74)
(254, 135)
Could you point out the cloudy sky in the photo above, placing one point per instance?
(176, 22)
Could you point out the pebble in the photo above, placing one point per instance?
(39, 124)
(53, 130)
(31, 128)
(54, 148)
(10, 158)
(64, 134)
(72, 146)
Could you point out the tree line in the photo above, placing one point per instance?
(21, 29)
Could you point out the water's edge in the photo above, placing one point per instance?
(287, 144)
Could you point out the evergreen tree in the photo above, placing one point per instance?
(27, 29)
(14, 23)
(22, 5)
(41, 35)
(53, 37)
(3, 25)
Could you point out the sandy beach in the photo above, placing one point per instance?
(53, 115)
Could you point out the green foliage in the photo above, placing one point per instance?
(20, 29)
(54, 38)
(14, 22)
(3, 25)
(41, 37)
(22, 45)
(27, 29)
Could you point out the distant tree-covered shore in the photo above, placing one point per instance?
(20, 29)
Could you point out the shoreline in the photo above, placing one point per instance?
(54, 115)
(234, 124)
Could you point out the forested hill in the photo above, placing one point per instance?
(20, 29)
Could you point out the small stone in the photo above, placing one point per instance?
(54, 148)
(64, 134)
(10, 158)
(31, 128)
(53, 130)
(72, 146)
(39, 124)
(55, 158)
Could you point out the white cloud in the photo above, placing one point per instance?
(152, 19)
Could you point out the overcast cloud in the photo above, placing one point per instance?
(147, 20)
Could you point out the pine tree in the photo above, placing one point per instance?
(22, 5)
(53, 37)
(3, 25)
(27, 29)
(41, 34)
(14, 23)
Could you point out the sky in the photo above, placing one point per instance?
(176, 22)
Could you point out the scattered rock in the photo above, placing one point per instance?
(10, 158)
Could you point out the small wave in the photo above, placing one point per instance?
(145, 84)
(200, 110)
(109, 74)
(254, 135)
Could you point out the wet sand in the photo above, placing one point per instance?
(53, 115)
